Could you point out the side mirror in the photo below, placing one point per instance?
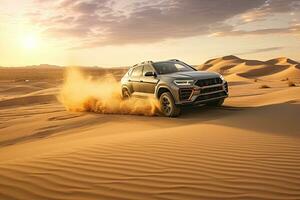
(150, 74)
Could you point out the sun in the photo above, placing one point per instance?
(30, 42)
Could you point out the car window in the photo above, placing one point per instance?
(137, 72)
(171, 67)
(129, 72)
(147, 68)
(180, 67)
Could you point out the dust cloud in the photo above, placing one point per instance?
(103, 95)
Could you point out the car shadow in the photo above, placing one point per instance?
(282, 118)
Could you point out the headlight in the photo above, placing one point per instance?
(221, 77)
(184, 82)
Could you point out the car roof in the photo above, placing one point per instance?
(151, 62)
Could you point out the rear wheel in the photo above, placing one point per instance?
(167, 105)
(125, 94)
(216, 103)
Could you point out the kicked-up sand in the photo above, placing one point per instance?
(246, 149)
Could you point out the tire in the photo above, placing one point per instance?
(216, 103)
(167, 105)
(125, 94)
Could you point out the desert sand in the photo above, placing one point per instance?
(246, 149)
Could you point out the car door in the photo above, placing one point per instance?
(148, 83)
(135, 78)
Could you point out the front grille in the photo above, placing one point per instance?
(207, 82)
(185, 93)
(212, 89)
(210, 96)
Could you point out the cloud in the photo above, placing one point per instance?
(186, 18)
(293, 29)
(254, 51)
(113, 22)
(270, 7)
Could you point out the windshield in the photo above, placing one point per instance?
(171, 67)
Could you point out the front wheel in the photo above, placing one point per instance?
(216, 103)
(167, 105)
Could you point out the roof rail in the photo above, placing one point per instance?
(175, 60)
(146, 62)
(142, 63)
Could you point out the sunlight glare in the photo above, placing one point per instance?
(30, 42)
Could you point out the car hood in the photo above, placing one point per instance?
(193, 75)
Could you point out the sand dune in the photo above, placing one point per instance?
(292, 72)
(27, 100)
(162, 165)
(282, 61)
(20, 89)
(274, 69)
(247, 149)
(221, 64)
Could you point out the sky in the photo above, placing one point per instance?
(113, 33)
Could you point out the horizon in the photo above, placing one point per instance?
(113, 33)
(193, 64)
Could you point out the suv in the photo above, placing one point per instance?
(175, 84)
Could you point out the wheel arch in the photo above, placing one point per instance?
(162, 89)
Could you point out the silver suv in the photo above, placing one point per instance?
(175, 84)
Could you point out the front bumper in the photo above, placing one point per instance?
(200, 95)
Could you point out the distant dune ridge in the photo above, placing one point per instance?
(237, 68)
(247, 149)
